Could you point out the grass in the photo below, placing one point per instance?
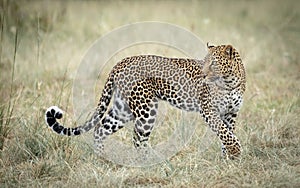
(42, 44)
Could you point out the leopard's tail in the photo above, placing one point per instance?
(53, 113)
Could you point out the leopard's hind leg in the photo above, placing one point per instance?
(144, 124)
(117, 116)
(143, 103)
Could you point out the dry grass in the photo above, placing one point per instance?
(41, 47)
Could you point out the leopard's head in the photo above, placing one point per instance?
(223, 66)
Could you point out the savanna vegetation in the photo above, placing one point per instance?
(41, 47)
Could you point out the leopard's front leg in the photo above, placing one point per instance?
(231, 144)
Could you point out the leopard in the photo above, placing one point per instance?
(213, 87)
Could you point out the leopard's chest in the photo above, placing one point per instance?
(228, 102)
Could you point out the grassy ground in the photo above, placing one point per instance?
(42, 44)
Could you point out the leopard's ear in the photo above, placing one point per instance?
(228, 50)
(209, 46)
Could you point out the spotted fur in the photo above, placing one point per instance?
(214, 87)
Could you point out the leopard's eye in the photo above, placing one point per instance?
(213, 63)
